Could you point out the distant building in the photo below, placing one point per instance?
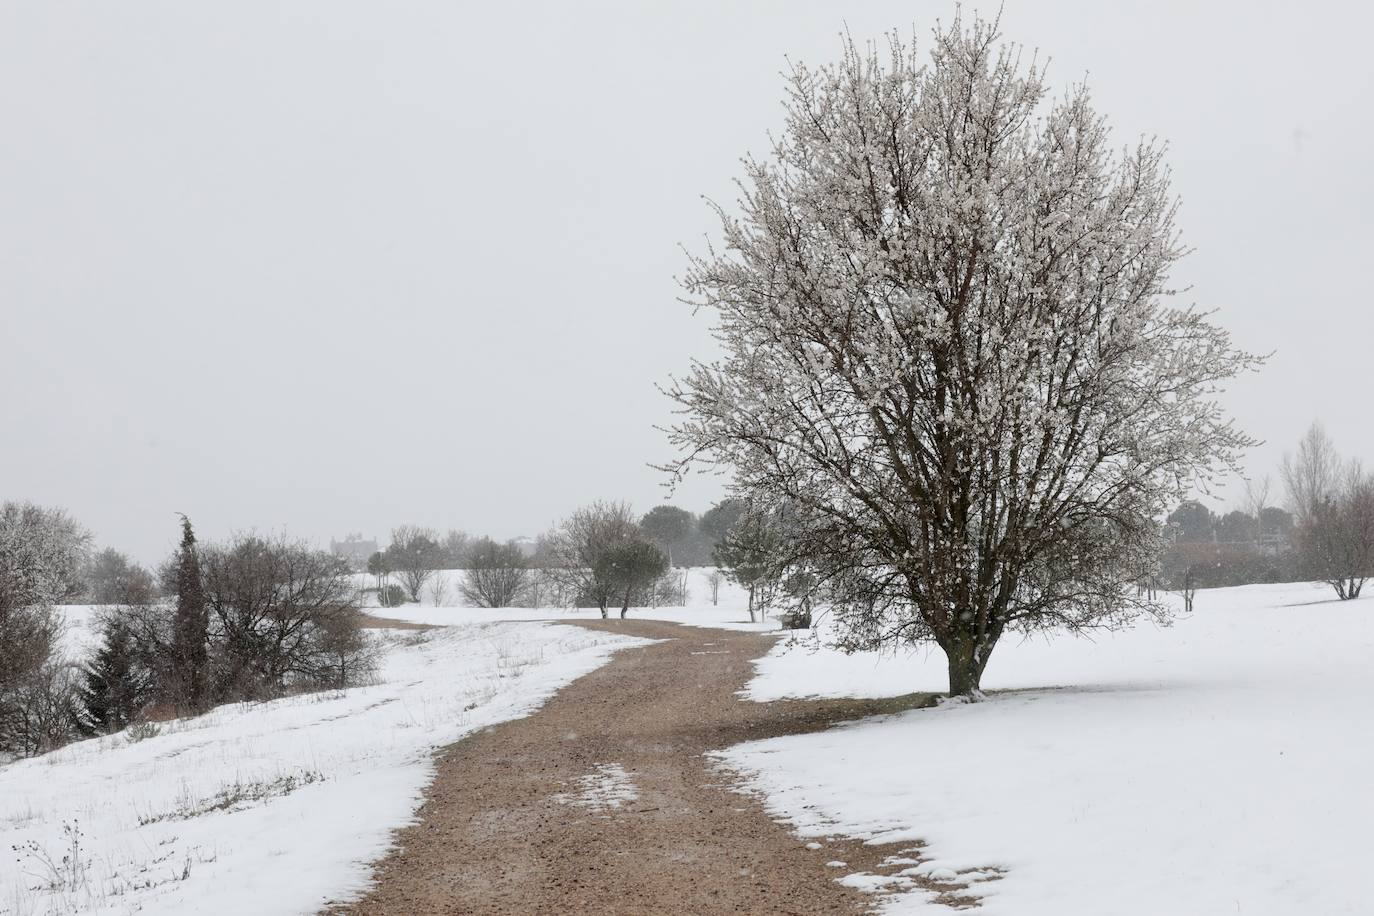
(527, 545)
(354, 550)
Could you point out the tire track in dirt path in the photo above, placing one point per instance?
(601, 801)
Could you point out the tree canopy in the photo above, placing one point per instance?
(947, 346)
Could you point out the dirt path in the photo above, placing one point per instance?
(601, 802)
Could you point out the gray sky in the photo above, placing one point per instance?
(334, 266)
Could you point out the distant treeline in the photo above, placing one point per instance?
(686, 539)
(602, 555)
(1326, 534)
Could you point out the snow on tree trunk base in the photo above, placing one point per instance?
(977, 696)
(967, 660)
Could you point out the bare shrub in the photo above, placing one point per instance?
(235, 796)
(281, 615)
(414, 555)
(66, 871)
(339, 652)
(496, 574)
(43, 712)
(438, 591)
(713, 582)
(669, 590)
(1333, 504)
(142, 731)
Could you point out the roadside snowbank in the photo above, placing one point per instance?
(1221, 765)
(271, 807)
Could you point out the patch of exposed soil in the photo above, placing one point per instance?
(386, 623)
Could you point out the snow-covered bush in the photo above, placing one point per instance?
(41, 552)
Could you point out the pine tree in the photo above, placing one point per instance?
(116, 685)
(750, 554)
(190, 626)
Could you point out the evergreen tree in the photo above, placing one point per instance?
(116, 684)
(751, 555)
(631, 567)
(191, 624)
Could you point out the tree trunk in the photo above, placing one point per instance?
(604, 615)
(624, 608)
(752, 619)
(967, 660)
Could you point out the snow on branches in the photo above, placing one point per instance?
(947, 349)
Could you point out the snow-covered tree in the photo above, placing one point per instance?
(948, 348)
(41, 554)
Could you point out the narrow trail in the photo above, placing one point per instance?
(602, 802)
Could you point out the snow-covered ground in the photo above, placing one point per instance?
(269, 807)
(1221, 765)
(730, 612)
(277, 807)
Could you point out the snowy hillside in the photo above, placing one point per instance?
(1221, 765)
(270, 807)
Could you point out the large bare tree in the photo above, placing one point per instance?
(947, 348)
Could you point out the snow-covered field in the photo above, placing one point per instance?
(270, 807)
(277, 807)
(1221, 765)
(729, 613)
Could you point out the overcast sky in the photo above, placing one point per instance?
(336, 266)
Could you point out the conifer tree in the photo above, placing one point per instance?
(190, 626)
(116, 684)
